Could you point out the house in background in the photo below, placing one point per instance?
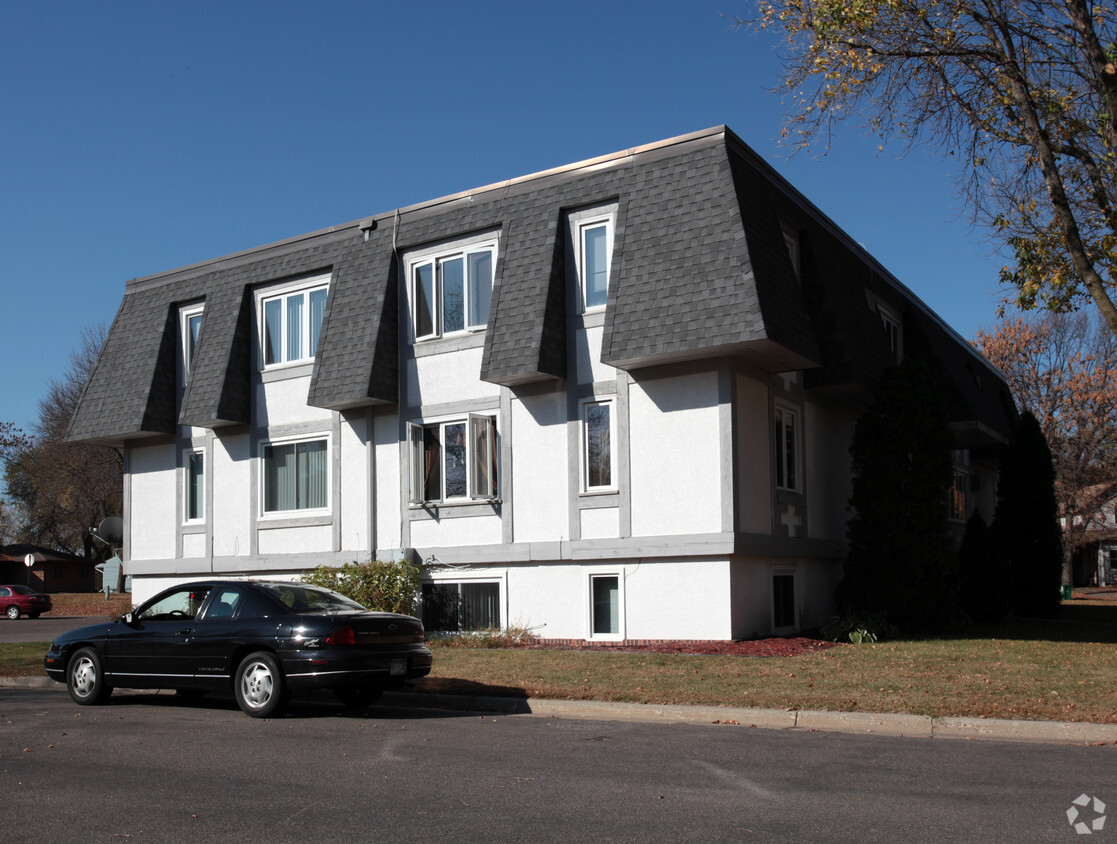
(609, 401)
(51, 572)
(1095, 539)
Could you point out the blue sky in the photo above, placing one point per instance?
(138, 137)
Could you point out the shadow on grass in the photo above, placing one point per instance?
(1076, 623)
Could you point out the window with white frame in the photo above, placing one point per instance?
(791, 241)
(893, 331)
(455, 460)
(786, 425)
(291, 321)
(295, 475)
(605, 606)
(451, 291)
(598, 428)
(190, 330)
(459, 607)
(595, 246)
(195, 479)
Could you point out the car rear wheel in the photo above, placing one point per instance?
(12, 612)
(260, 688)
(358, 697)
(85, 680)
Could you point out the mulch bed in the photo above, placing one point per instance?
(790, 646)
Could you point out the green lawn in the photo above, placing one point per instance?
(1062, 671)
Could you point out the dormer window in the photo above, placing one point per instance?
(291, 320)
(189, 331)
(893, 330)
(791, 242)
(451, 290)
(594, 243)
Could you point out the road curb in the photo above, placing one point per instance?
(801, 720)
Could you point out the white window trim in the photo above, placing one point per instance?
(501, 585)
(283, 290)
(434, 255)
(264, 513)
(584, 447)
(622, 629)
(793, 574)
(186, 455)
(185, 314)
(474, 422)
(791, 241)
(582, 226)
(797, 447)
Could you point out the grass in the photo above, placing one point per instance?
(1058, 670)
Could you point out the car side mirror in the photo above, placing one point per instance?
(128, 618)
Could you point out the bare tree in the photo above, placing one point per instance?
(65, 488)
(1063, 368)
(1021, 94)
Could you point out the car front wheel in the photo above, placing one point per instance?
(85, 680)
(12, 612)
(260, 688)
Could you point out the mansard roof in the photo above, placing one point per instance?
(699, 269)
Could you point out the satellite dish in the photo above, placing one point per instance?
(111, 530)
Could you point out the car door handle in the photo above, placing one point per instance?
(186, 632)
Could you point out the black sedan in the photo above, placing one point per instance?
(260, 639)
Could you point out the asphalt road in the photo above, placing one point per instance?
(153, 768)
(44, 628)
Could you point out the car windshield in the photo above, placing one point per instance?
(22, 590)
(301, 598)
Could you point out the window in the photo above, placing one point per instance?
(452, 607)
(597, 444)
(454, 460)
(894, 333)
(181, 605)
(606, 609)
(958, 496)
(787, 448)
(296, 476)
(783, 602)
(195, 485)
(791, 241)
(594, 250)
(291, 323)
(190, 330)
(451, 293)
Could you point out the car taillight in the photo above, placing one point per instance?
(342, 636)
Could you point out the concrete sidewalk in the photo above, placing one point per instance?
(804, 720)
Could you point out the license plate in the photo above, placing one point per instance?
(399, 666)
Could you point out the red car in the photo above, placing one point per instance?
(19, 599)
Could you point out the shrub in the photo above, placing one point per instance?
(860, 628)
(387, 587)
(493, 637)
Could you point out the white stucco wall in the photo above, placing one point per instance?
(354, 455)
(449, 377)
(668, 599)
(675, 453)
(386, 441)
(468, 530)
(754, 456)
(294, 540)
(232, 495)
(827, 435)
(283, 402)
(153, 519)
(539, 469)
(587, 346)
